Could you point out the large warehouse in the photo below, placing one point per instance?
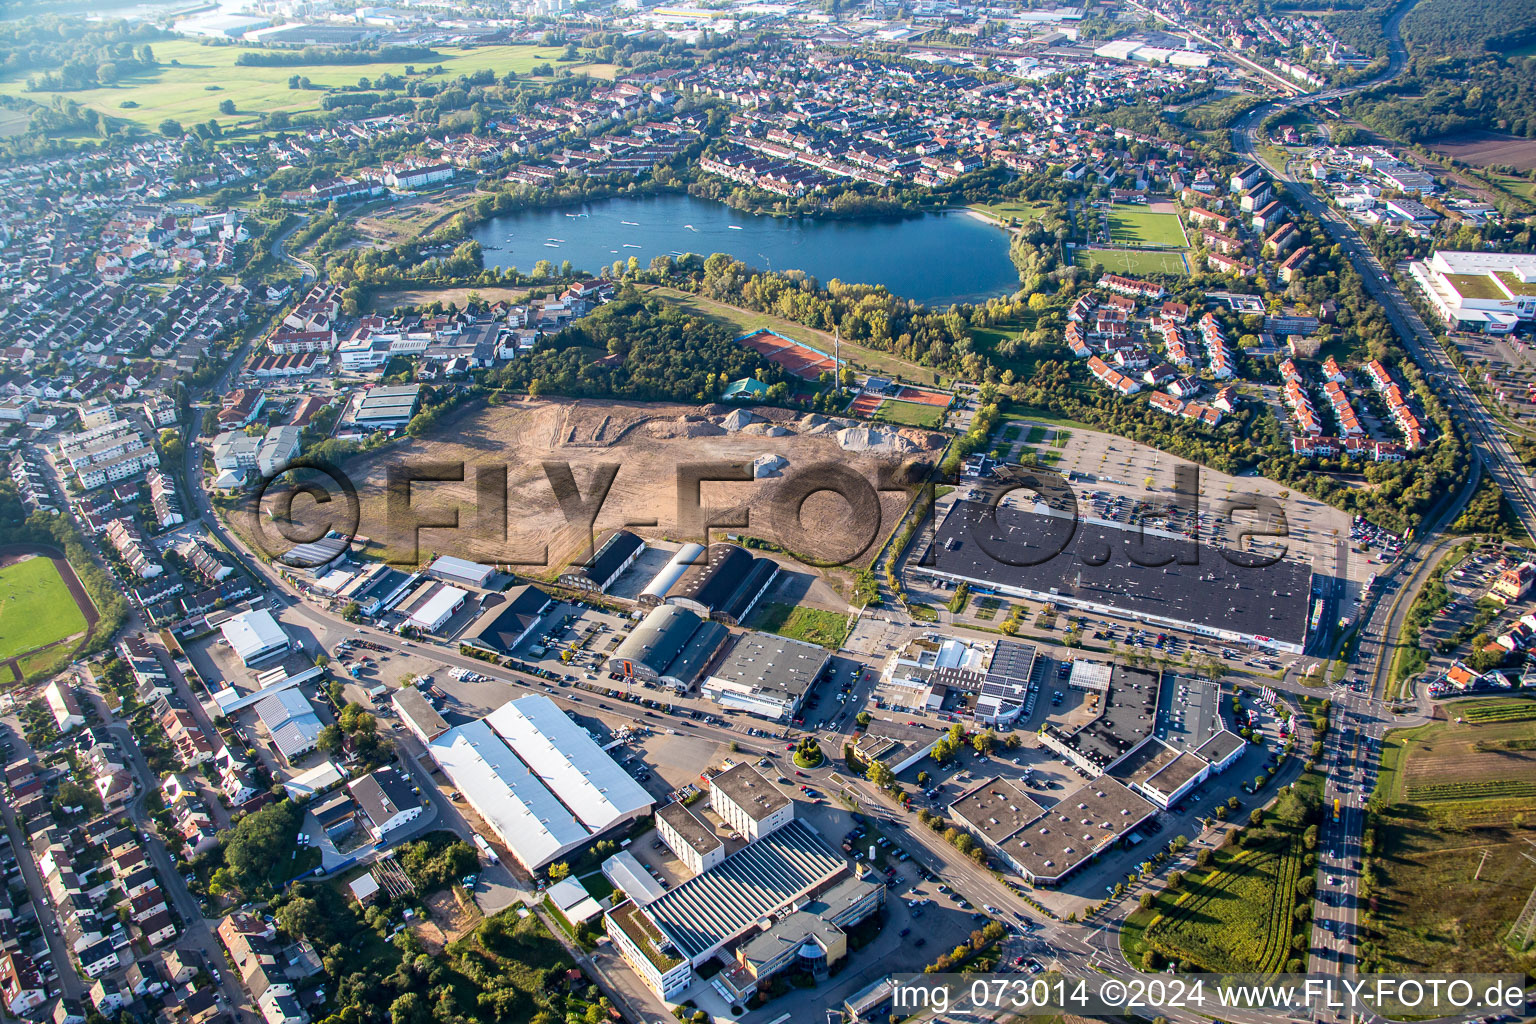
(538, 780)
(507, 619)
(436, 610)
(1103, 568)
(726, 585)
(1046, 846)
(254, 636)
(671, 645)
(666, 939)
(606, 564)
(766, 674)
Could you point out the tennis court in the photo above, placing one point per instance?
(798, 358)
(923, 397)
(865, 405)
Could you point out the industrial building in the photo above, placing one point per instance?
(1123, 716)
(1045, 846)
(607, 563)
(671, 645)
(726, 586)
(457, 570)
(433, 613)
(665, 940)
(418, 714)
(254, 636)
(689, 837)
(386, 407)
(1049, 556)
(748, 802)
(767, 675)
(920, 675)
(1491, 292)
(655, 592)
(507, 619)
(538, 780)
(291, 721)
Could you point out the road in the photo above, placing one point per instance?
(281, 254)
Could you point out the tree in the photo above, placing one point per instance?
(982, 742)
(559, 870)
(301, 918)
(172, 129)
(331, 740)
(227, 107)
(881, 775)
(1146, 901)
(923, 777)
(259, 842)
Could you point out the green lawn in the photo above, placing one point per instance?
(813, 625)
(1134, 261)
(909, 414)
(1137, 225)
(35, 607)
(194, 78)
(1008, 209)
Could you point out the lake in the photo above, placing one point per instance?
(934, 258)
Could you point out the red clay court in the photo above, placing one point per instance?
(865, 405)
(922, 397)
(799, 359)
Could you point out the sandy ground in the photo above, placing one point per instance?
(447, 919)
(647, 443)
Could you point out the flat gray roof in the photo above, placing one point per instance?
(1142, 575)
(413, 704)
(695, 832)
(1126, 717)
(1176, 772)
(772, 663)
(996, 809)
(747, 787)
(1088, 819)
(717, 907)
(1188, 712)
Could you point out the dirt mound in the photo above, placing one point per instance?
(685, 426)
(875, 441)
(766, 430)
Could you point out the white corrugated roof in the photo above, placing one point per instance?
(250, 633)
(460, 567)
(437, 607)
(568, 761)
(515, 804)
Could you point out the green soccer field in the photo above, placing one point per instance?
(1136, 225)
(36, 608)
(1134, 261)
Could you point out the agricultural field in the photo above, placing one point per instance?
(193, 78)
(1138, 225)
(1134, 261)
(1454, 821)
(813, 625)
(909, 414)
(36, 607)
(1236, 914)
(1482, 148)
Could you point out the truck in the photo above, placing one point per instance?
(1335, 808)
(485, 849)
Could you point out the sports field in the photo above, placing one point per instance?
(1455, 805)
(1008, 209)
(1134, 261)
(910, 414)
(1137, 225)
(193, 79)
(36, 608)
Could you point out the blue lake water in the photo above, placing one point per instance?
(935, 258)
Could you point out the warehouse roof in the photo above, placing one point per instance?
(659, 638)
(767, 662)
(1058, 555)
(560, 753)
(291, 720)
(517, 806)
(718, 906)
(695, 832)
(616, 550)
(1126, 718)
(431, 613)
(254, 633)
(413, 705)
(502, 625)
(996, 809)
(1086, 820)
(474, 573)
